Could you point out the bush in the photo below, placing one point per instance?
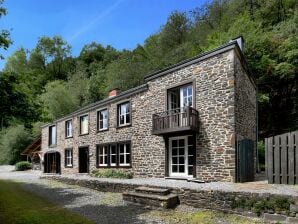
(23, 165)
(111, 174)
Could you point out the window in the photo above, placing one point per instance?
(52, 135)
(186, 96)
(68, 157)
(102, 154)
(124, 154)
(102, 119)
(68, 129)
(84, 125)
(112, 155)
(124, 114)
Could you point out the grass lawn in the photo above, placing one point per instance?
(18, 206)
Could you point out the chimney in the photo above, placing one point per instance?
(240, 42)
(113, 92)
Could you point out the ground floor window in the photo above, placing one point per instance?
(113, 154)
(68, 158)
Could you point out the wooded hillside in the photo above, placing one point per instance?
(47, 82)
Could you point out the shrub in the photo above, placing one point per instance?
(23, 165)
(111, 174)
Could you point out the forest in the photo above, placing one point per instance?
(47, 82)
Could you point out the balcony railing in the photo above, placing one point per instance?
(175, 120)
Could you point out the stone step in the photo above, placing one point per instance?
(151, 190)
(151, 200)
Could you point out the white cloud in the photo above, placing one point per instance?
(93, 22)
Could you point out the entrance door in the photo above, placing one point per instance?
(84, 160)
(181, 156)
(52, 162)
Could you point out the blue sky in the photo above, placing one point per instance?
(120, 23)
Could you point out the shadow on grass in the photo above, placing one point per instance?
(88, 203)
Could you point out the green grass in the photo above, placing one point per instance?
(200, 217)
(18, 206)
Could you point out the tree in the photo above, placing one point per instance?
(13, 141)
(5, 40)
(54, 53)
(57, 100)
(175, 31)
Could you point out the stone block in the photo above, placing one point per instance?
(275, 217)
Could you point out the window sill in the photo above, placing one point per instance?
(124, 126)
(69, 166)
(68, 137)
(52, 146)
(110, 167)
(102, 130)
(83, 134)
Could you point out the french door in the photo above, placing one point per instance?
(181, 156)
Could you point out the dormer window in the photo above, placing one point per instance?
(52, 135)
(84, 125)
(68, 128)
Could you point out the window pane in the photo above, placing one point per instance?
(174, 168)
(190, 170)
(121, 159)
(181, 169)
(84, 125)
(127, 119)
(128, 158)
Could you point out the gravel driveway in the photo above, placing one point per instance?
(97, 206)
(104, 207)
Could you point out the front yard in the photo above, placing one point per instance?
(18, 206)
(51, 202)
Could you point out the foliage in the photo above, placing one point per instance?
(13, 141)
(261, 153)
(58, 100)
(23, 165)
(111, 174)
(5, 40)
(276, 204)
(20, 206)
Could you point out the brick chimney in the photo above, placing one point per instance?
(113, 92)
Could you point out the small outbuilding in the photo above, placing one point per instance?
(33, 153)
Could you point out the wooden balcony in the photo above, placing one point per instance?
(175, 120)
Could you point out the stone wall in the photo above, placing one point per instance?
(245, 105)
(239, 202)
(213, 80)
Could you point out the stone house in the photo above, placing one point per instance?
(184, 122)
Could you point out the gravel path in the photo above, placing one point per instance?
(97, 206)
(253, 187)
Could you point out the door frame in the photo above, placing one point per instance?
(170, 173)
(87, 160)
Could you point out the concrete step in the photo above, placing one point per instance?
(151, 200)
(151, 190)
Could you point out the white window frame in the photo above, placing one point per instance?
(68, 129)
(120, 114)
(104, 120)
(104, 155)
(52, 141)
(125, 153)
(80, 120)
(184, 99)
(68, 157)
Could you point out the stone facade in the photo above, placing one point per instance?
(224, 96)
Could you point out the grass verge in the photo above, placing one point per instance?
(18, 206)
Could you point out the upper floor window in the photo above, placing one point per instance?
(68, 128)
(102, 119)
(180, 97)
(68, 158)
(52, 135)
(84, 123)
(124, 114)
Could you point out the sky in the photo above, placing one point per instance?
(120, 23)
